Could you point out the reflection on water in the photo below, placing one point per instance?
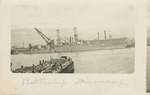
(103, 61)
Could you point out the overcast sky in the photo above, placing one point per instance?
(89, 16)
(148, 18)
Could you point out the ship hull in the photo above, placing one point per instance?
(110, 44)
(68, 69)
(76, 49)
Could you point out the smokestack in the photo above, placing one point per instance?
(110, 36)
(30, 47)
(70, 39)
(98, 35)
(105, 34)
(23, 44)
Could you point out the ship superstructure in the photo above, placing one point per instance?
(74, 44)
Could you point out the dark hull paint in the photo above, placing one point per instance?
(68, 69)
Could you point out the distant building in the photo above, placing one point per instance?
(37, 47)
(14, 51)
(22, 49)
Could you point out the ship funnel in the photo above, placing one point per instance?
(105, 34)
(70, 39)
(98, 35)
(110, 37)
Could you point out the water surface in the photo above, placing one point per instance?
(102, 61)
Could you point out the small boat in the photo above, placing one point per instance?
(62, 65)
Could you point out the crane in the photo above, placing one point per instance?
(63, 39)
(47, 40)
(67, 39)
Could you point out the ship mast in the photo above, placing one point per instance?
(98, 35)
(75, 34)
(58, 37)
(105, 34)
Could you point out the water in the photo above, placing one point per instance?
(102, 61)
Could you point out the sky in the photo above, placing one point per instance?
(116, 17)
(148, 18)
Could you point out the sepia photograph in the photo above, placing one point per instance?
(148, 48)
(74, 47)
(71, 36)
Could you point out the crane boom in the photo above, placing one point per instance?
(47, 40)
(62, 39)
(67, 39)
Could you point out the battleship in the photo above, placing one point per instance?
(77, 45)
